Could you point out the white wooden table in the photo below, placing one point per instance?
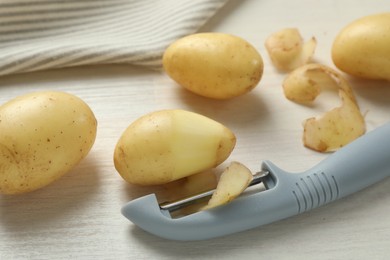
(78, 217)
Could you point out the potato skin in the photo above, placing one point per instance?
(362, 48)
(168, 145)
(214, 65)
(43, 136)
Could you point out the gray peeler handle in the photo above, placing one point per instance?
(354, 167)
(359, 164)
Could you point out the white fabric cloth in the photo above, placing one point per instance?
(43, 34)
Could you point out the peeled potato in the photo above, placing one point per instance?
(337, 127)
(233, 181)
(287, 49)
(42, 136)
(168, 145)
(214, 65)
(362, 48)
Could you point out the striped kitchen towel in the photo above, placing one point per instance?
(44, 34)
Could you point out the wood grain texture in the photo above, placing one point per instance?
(78, 217)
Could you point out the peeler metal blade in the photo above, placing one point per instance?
(353, 168)
(258, 177)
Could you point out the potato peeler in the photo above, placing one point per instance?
(354, 167)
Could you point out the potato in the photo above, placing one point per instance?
(338, 126)
(167, 145)
(362, 48)
(233, 181)
(214, 65)
(287, 49)
(43, 136)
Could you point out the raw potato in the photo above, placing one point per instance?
(214, 65)
(287, 49)
(233, 181)
(362, 48)
(43, 136)
(337, 127)
(168, 145)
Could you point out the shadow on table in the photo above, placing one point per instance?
(242, 111)
(37, 210)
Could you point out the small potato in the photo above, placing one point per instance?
(42, 136)
(214, 65)
(362, 48)
(168, 145)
